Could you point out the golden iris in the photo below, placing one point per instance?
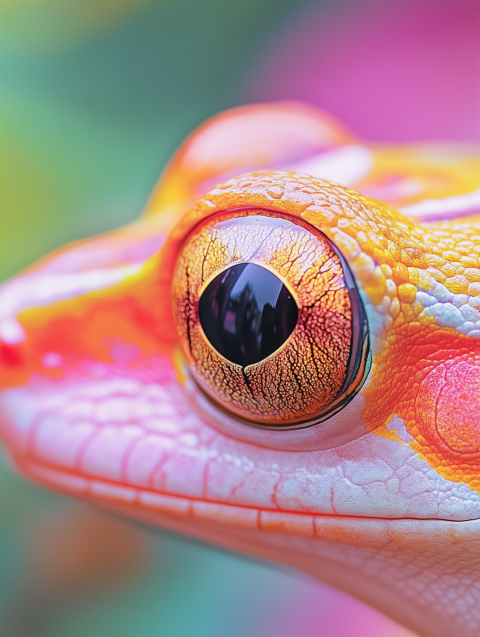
(269, 319)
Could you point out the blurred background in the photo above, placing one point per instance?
(95, 96)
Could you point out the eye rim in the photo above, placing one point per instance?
(352, 385)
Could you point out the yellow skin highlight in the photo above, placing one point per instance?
(419, 282)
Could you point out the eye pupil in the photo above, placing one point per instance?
(247, 313)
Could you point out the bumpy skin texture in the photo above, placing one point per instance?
(382, 499)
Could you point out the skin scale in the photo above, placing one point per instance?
(382, 499)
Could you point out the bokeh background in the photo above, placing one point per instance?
(95, 95)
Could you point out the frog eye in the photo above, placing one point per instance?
(269, 319)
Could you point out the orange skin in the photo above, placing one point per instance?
(382, 498)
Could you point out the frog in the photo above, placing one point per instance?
(280, 356)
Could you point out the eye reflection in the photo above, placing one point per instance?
(247, 313)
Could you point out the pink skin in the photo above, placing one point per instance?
(397, 70)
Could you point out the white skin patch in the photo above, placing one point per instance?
(34, 290)
(51, 360)
(454, 206)
(345, 165)
(459, 311)
(11, 332)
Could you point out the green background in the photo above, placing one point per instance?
(91, 110)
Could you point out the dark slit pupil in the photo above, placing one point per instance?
(247, 313)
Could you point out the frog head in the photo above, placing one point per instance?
(273, 360)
